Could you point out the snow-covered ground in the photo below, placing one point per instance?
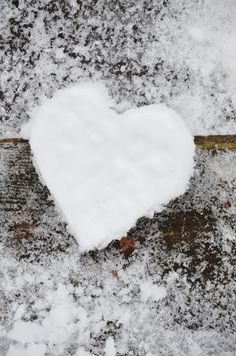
(170, 297)
(180, 52)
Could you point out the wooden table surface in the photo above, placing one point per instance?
(187, 237)
(32, 226)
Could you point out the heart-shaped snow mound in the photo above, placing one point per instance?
(106, 170)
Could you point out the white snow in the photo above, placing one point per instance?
(110, 349)
(183, 54)
(30, 350)
(56, 327)
(26, 332)
(82, 352)
(106, 170)
(196, 33)
(152, 291)
(229, 54)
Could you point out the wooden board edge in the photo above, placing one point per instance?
(219, 142)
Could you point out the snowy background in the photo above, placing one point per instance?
(169, 297)
(180, 52)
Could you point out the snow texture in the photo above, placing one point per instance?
(152, 291)
(181, 53)
(173, 296)
(107, 170)
(110, 349)
(30, 350)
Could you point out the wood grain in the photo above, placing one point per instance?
(220, 142)
(32, 227)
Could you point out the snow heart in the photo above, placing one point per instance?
(106, 170)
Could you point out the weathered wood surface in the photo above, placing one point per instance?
(220, 142)
(13, 140)
(29, 222)
(31, 226)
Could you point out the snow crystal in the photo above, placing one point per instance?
(106, 170)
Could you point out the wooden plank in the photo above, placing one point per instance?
(13, 140)
(219, 142)
(32, 227)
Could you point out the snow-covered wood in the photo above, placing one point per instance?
(190, 247)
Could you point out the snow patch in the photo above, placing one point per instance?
(106, 170)
(152, 291)
(110, 349)
(229, 54)
(196, 34)
(82, 352)
(26, 332)
(30, 350)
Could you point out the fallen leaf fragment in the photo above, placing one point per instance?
(126, 245)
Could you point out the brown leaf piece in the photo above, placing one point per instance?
(126, 245)
(114, 273)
